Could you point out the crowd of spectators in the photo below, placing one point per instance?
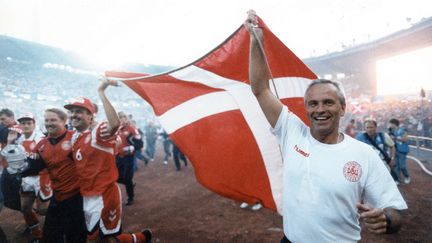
(30, 87)
(415, 115)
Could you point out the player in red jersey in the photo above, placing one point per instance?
(94, 151)
(65, 216)
(33, 188)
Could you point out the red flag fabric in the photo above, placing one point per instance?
(209, 111)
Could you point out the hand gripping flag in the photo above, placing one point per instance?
(209, 111)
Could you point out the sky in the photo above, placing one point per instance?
(177, 32)
(405, 73)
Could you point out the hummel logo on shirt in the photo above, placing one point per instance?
(300, 151)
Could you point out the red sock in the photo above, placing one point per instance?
(131, 238)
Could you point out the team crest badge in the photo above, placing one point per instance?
(66, 145)
(352, 171)
(32, 146)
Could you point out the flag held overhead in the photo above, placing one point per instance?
(209, 111)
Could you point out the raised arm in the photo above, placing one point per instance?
(110, 112)
(259, 73)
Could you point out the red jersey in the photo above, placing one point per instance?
(56, 154)
(30, 144)
(124, 133)
(94, 156)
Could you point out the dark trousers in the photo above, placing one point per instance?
(10, 188)
(393, 173)
(285, 240)
(65, 220)
(167, 149)
(177, 154)
(126, 171)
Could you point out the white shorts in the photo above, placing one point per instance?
(105, 209)
(31, 184)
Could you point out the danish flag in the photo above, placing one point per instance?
(209, 111)
(357, 109)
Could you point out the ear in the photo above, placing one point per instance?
(343, 110)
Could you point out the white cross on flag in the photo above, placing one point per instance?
(209, 111)
(357, 108)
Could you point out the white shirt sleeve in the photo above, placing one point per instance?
(380, 190)
(288, 127)
(279, 129)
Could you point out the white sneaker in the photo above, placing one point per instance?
(244, 205)
(397, 183)
(256, 207)
(151, 160)
(165, 162)
(407, 180)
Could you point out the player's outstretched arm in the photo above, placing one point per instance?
(259, 73)
(110, 112)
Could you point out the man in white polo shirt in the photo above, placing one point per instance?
(330, 179)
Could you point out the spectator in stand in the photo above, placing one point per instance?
(400, 136)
